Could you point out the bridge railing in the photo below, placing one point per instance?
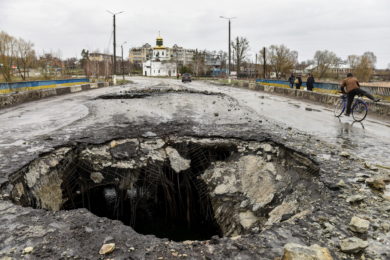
(42, 84)
(326, 87)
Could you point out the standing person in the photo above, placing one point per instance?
(351, 86)
(291, 79)
(298, 82)
(310, 82)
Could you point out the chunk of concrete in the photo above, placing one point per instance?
(359, 225)
(247, 219)
(178, 163)
(353, 245)
(293, 251)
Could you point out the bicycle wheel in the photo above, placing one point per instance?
(359, 111)
(339, 108)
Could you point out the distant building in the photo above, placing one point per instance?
(96, 56)
(182, 56)
(161, 62)
(140, 55)
(342, 68)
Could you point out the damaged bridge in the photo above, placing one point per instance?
(158, 169)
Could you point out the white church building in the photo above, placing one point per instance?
(160, 64)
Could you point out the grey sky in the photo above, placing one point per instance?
(342, 26)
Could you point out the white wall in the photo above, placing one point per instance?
(157, 68)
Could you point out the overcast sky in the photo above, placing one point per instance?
(342, 26)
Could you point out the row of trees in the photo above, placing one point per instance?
(18, 58)
(15, 54)
(282, 61)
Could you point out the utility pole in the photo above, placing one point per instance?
(123, 69)
(114, 43)
(256, 66)
(229, 43)
(264, 63)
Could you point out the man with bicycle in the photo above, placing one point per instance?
(350, 85)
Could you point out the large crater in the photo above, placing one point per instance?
(180, 188)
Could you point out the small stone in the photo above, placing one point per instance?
(88, 229)
(175, 253)
(294, 251)
(355, 198)
(341, 184)
(370, 166)
(329, 226)
(359, 225)
(278, 177)
(255, 230)
(385, 227)
(244, 204)
(131, 249)
(267, 148)
(235, 237)
(28, 250)
(247, 219)
(96, 177)
(345, 154)
(376, 183)
(352, 245)
(188, 242)
(107, 248)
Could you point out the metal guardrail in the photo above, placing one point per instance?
(380, 91)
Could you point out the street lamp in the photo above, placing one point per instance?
(123, 69)
(114, 61)
(228, 18)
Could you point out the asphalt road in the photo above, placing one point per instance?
(25, 126)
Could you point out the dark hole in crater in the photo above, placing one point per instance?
(172, 209)
(159, 201)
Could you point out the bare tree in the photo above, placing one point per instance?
(198, 62)
(223, 56)
(324, 60)
(49, 64)
(280, 58)
(26, 57)
(240, 48)
(85, 64)
(362, 66)
(8, 53)
(366, 66)
(353, 61)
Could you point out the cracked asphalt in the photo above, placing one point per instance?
(195, 109)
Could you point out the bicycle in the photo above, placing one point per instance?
(359, 108)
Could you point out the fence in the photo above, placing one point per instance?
(33, 85)
(325, 87)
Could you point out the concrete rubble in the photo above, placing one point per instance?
(266, 191)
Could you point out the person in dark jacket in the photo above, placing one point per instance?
(291, 79)
(298, 82)
(310, 82)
